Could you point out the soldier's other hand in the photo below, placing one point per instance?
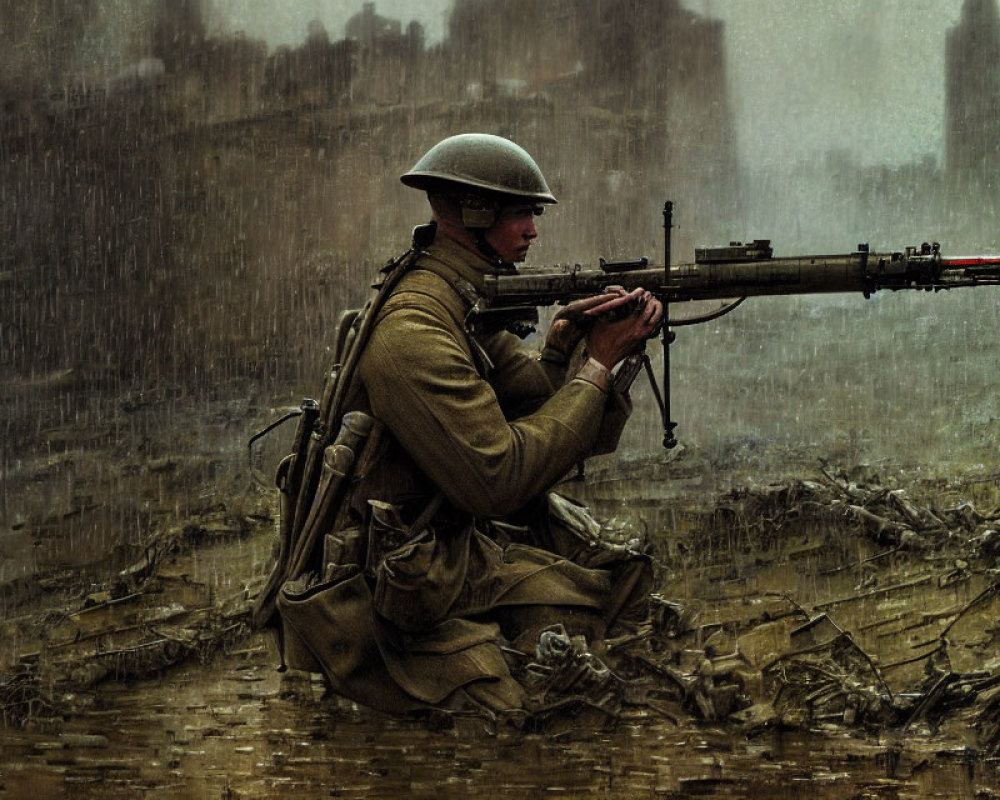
(611, 340)
(572, 320)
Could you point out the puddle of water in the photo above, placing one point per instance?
(236, 729)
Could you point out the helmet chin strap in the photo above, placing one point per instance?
(478, 216)
(499, 265)
(475, 215)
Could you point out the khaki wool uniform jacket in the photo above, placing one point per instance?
(468, 434)
(490, 427)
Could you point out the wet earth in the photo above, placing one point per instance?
(129, 671)
(163, 692)
(235, 729)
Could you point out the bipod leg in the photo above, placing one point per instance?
(669, 440)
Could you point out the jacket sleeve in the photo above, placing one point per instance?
(523, 381)
(520, 379)
(423, 384)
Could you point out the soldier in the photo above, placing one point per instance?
(464, 556)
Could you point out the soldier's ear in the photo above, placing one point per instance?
(445, 207)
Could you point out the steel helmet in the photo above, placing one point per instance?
(480, 163)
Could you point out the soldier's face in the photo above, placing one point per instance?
(513, 232)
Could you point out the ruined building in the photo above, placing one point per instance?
(388, 61)
(237, 198)
(972, 133)
(639, 94)
(623, 55)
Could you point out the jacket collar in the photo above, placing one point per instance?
(458, 265)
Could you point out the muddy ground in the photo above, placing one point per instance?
(129, 670)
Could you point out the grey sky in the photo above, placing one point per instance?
(863, 75)
(807, 76)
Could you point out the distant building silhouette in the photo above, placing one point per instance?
(972, 136)
(367, 27)
(178, 28)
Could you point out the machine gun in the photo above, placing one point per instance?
(732, 274)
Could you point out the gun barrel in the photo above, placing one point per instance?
(773, 276)
(861, 271)
(970, 271)
(683, 282)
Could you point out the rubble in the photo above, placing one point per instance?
(155, 613)
(797, 665)
(886, 515)
(564, 670)
(790, 615)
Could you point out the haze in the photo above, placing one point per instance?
(807, 76)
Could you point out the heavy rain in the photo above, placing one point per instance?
(191, 191)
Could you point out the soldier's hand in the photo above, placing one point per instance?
(611, 339)
(572, 320)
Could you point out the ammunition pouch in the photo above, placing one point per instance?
(326, 536)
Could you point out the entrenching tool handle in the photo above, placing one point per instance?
(288, 480)
(338, 459)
